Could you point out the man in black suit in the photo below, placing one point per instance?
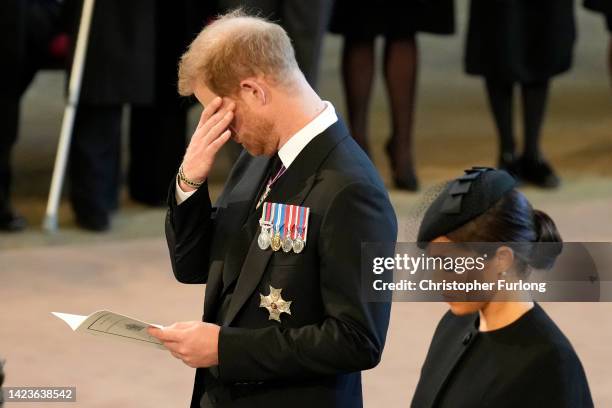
(284, 327)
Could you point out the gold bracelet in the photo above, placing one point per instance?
(191, 183)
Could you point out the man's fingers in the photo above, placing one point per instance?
(165, 334)
(209, 111)
(218, 143)
(216, 130)
(218, 115)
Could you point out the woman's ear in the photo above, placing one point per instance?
(504, 259)
(253, 91)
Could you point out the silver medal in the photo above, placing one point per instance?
(298, 245)
(264, 240)
(287, 244)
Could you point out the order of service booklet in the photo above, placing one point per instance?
(112, 325)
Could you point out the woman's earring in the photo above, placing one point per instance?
(504, 273)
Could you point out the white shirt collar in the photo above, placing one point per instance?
(296, 143)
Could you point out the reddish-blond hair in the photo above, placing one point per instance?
(234, 47)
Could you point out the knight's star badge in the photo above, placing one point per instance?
(275, 304)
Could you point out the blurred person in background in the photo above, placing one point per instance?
(158, 130)
(604, 7)
(29, 40)
(360, 23)
(524, 43)
(131, 59)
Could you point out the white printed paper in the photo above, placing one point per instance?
(112, 325)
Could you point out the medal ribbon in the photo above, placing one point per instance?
(294, 220)
(288, 218)
(305, 222)
(278, 215)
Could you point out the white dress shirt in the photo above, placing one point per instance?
(292, 148)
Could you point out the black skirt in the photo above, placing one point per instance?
(520, 40)
(392, 18)
(602, 6)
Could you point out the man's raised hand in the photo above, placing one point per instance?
(210, 135)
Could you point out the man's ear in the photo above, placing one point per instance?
(253, 91)
(504, 259)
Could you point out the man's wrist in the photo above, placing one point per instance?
(186, 188)
(186, 183)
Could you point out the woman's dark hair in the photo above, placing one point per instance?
(512, 219)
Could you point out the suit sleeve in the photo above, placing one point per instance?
(189, 231)
(352, 335)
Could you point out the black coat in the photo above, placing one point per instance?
(134, 47)
(529, 363)
(315, 355)
(392, 18)
(520, 40)
(120, 59)
(26, 29)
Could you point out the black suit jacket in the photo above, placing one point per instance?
(315, 355)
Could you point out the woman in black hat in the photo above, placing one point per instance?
(398, 22)
(524, 43)
(497, 354)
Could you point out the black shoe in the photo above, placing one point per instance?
(407, 182)
(389, 151)
(10, 221)
(538, 172)
(98, 223)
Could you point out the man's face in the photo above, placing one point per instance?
(249, 129)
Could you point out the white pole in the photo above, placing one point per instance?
(74, 89)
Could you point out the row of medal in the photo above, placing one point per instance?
(283, 226)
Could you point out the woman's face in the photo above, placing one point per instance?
(460, 303)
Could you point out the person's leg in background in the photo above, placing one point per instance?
(533, 167)
(9, 120)
(400, 70)
(94, 166)
(157, 145)
(500, 96)
(358, 66)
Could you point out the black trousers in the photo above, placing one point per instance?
(9, 123)
(95, 159)
(157, 144)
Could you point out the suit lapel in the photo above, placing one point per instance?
(235, 205)
(292, 188)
